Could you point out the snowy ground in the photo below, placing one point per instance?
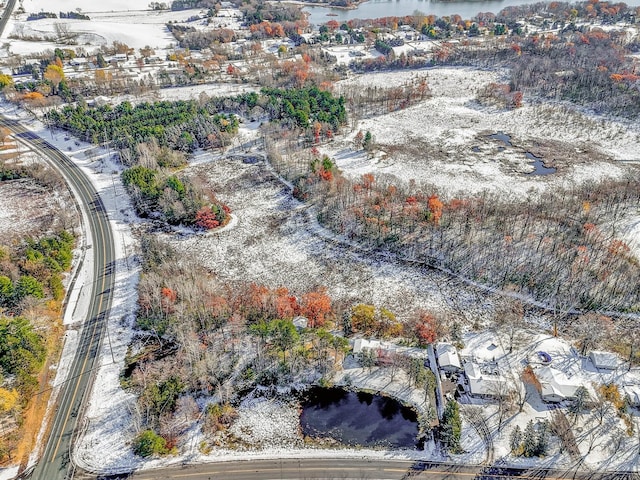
(443, 141)
(131, 23)
(270, 220)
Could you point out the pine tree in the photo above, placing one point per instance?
(515, 440)
(542, 442)
(367, 143)
(451, 426)
(529, 440)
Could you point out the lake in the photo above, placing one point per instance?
(398, 8)
(358, 418)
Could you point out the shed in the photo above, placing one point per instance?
(604, 360)
(448, 358)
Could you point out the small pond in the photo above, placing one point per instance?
(501, 137)
(358, 418)
(538, 164)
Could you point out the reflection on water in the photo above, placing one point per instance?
(357, 418)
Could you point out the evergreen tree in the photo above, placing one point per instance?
(542, 442)
(451, 429)
(529, 440)
(100, 61)
(579, 402)
(367, 143)
(515, 440)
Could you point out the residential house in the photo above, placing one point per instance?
(484, 381)
(555, 385)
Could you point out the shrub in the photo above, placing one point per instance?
(149, 443)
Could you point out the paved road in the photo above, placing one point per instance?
(359, 469)
(6, 14)
(54, 463)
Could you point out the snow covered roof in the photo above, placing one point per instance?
(605, 360)
(481, 383)
(448, 356)
(632, 394)
(300, 322)
(361, 344)
(556, 385)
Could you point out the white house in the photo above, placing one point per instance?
(604, 360)
(448, 357)
(555, 385)
(481, 383)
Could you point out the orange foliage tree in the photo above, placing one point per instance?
(315, 306)
(435, 208)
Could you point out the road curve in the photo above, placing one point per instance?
(55, 461)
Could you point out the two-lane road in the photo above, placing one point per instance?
(373, 469)
(55, 462)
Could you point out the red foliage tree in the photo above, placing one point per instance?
(206, 219)
(286, 305)
(435, 208)
(426, 329)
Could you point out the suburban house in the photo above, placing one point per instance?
(483, 381)
(556, 386)
(448, 358)
(604, 360)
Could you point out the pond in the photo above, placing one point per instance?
(538, 165)
(358, 418)
(501, 137)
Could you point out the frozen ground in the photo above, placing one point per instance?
(270, 221)
(26, 208)
(114, 20)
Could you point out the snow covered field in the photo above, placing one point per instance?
(443, 140)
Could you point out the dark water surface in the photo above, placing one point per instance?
(358, 418)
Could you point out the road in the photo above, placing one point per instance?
(54, 463)
(360, 469)
(6, 14)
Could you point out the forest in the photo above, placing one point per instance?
(32, 293)
(155, 139)
(179, 125)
